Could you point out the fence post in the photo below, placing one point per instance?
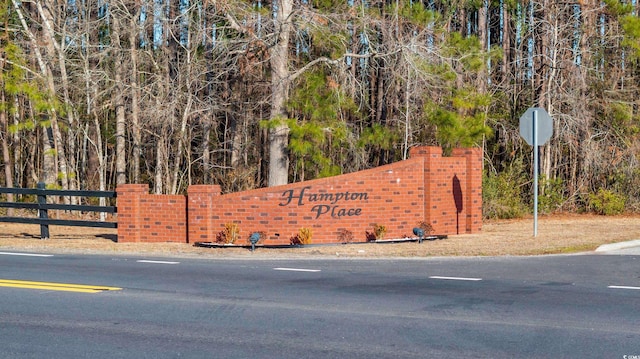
(42, 212)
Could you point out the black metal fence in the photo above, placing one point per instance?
(43, 207)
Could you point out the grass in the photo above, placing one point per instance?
(557, 234)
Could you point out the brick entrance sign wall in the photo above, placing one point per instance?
(445, 192)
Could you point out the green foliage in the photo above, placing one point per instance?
(55, 186)
(318, 135)
(631, 27)
(459, 113)
(14, 75)
(378, 136)
(332, 44)
(17, 82)
(305, 145)
(621, 113)
(462, 122)
(621, 119)
(510, 4)
(413, 12)
(371, 12)
(550, 194)
(467, 50)
(474, 4)
(26, 125)
(606, 202)
(262, 10)
(502, 196)
(328, 5)
(318, 97)
(630, 24)
(627, 180)
(442, 70)
(274, 123)
(322, 39)
(616, 8)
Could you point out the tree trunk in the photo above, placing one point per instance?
(279, 61)
(483, 39)
(135, 100)
(181, 144)
(206, 152)
(161, 162)
(6, 155)
(17, 154)
(101, 163)
(506, 43)
(186, 114)
(49, 147)
(66, 167)
(121, 161)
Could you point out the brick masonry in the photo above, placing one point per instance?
(144, 217)
(445, 192)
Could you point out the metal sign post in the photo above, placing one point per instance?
(536, 127)
(536, 171)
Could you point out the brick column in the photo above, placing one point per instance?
(432, 157)
(425, 151)
(129, 216)
(201, 211)
(473, 190)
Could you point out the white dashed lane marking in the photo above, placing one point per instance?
(25, 254)
(156, 262)
(297, 269)
(622, 287)
(456, 278)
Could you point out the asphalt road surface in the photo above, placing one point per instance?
(63, 306)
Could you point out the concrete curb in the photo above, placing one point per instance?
(617, 246)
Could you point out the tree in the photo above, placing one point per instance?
(280, 84)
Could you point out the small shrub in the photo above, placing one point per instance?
(502, 194)
(303, 237)
(229, 234)
(627, 180)
(345, 235)
(550, 195)
(379, 231)
(606, 202)
(370, 236)
(426, 227)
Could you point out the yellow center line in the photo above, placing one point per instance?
(67, 287)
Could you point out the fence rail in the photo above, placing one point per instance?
(43, 207)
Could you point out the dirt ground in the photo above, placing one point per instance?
(556, 234)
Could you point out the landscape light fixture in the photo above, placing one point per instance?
(419, 232)
(254, 238)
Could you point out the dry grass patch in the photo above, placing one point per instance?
(556, 234)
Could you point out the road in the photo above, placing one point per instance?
(579, 306)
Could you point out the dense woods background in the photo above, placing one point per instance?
(245, 94)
